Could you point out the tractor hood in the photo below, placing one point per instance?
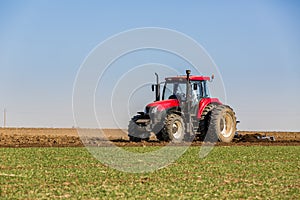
(163, 105)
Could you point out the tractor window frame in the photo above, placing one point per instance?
(203, 90)
(206, 93)
(176, 85)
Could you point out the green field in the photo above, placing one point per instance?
(255, 172)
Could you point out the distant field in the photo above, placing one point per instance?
(255, 172)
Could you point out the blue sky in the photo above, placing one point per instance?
(255, 45)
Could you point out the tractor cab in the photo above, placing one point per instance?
(181, 93)
(176, 88)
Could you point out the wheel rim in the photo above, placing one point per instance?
(177, 130)
(226, 125)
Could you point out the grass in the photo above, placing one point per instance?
(228, 172)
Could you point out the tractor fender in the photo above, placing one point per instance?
(204, 102)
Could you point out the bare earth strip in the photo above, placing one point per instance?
(68, 137)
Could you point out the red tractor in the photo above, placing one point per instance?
(184, 112)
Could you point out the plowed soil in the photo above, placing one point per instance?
(64, 137)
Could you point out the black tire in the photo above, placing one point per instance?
(162, 136)
(222, 123)
(173, 129)
(205, 117)
(137, 133)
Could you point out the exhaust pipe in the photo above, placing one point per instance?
(157, 88)
(188, 72)
(188, 103)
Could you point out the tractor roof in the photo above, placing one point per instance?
(192, 78)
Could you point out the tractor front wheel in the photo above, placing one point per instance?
(174, 128)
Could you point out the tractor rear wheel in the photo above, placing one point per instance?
(137, 133)
(174, 129)
(204, 120)
(222, 123)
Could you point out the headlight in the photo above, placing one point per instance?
(153, 110)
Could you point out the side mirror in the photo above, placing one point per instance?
(195, 86)
(152, 87)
